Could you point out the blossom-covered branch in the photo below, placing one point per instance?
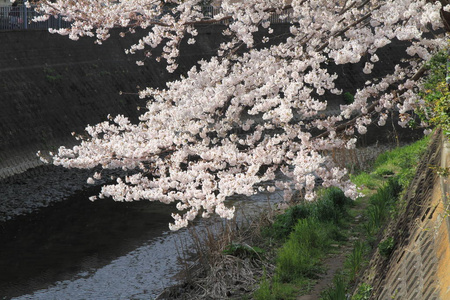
(235, 121)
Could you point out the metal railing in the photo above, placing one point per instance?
(20, 18)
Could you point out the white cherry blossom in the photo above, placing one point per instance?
(236, 120)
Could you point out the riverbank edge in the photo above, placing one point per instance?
(337, 251)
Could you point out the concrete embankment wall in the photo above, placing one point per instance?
(51, 86)
(419, 267)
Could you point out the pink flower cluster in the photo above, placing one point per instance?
(235, 121)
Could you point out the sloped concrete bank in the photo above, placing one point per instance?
(418, 268)
(51, 86)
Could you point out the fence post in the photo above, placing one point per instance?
(25, 17)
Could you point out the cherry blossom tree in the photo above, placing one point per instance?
(235, 121)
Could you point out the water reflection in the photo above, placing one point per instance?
(78, 249)
(140, 274)
(73, 236)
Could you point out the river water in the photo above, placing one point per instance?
(78, 249)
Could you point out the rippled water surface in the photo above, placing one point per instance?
(78, 249)
(140, 274)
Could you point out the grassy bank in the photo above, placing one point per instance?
(311, 232)
(383, 186)
(282, 255)
(304, 234)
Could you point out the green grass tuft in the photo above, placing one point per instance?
(338, 291)
(402, 161)
(357, 259)
(301, 254)
(330, 207)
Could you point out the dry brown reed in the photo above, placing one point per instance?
(214, 274)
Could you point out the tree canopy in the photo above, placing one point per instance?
(235, 121)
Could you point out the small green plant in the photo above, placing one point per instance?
(283, 291)
(243, 251)
(371, 230)
(348, 98)
(53, 79)
(51, 75)
(104, 73)
(275, 291)
(440, 171)
(383, 171)
(364, 292)
(386, 247)
(356, 260)
(263, 292)
(376, 216)
(337, 291)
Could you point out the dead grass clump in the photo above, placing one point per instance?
(228, 262)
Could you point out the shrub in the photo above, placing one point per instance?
(386, 247)
(348, 98)
(329, 207)
(364, 292)
(285, 223)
